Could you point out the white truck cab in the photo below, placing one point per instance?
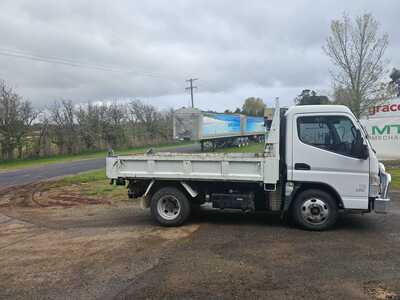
(317, 162)
(327, 146)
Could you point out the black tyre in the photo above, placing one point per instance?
(195, 209)
(169, 207)
(315, 210)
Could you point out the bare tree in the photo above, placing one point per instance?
(147, 117)
(63, 127)
(16, 117)
(42, 141)
(356, 49)
(89, 120)
(113, 125)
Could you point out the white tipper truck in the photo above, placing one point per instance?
(317, 162)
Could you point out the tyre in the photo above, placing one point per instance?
(169, 206)
(195, 209)
(315, 210)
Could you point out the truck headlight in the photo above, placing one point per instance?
(374, 185)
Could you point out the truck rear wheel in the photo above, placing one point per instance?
(169, 207)
(315, 210)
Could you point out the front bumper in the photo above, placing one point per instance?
(381, 203)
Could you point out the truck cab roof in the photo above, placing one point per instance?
(304, 109)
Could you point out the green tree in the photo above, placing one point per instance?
(310, 97)
(253, 107)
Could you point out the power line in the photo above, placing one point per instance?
(15, 53)
(191, 87)
(76, 64)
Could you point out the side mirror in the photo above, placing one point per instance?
(364, 152)
(360, 150)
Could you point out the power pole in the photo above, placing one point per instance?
(191, 87)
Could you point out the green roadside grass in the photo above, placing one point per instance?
(393, 168)
(35, 162)
(85, 177)
(395, 173)
(93, 184)
(251, 148)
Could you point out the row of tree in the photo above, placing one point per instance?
(66, 128)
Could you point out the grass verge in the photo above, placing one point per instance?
(393, 168)
(395, 172)
(35, 162)
(251, 148)
(93, 184)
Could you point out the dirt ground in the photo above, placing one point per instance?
(57, 244)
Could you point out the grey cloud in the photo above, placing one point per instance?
(261, 46)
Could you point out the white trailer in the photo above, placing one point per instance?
(215, 129)
(317, 161)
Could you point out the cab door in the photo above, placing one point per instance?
(323, 153)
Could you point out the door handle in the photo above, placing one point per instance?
(302, 166)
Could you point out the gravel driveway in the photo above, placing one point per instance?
(107, 251)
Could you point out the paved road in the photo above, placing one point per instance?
(30, 175)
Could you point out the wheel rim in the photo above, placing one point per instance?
(168, 207)
(315, 211)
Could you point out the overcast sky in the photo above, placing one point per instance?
(146, 49)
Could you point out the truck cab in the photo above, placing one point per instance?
(317, 162)
(326, 148)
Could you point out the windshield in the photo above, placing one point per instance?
(366, 135)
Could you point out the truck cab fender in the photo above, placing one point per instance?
(302, 186)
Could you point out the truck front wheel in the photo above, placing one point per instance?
(315, 210)
(169, 207)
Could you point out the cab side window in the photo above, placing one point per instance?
(332, 133)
